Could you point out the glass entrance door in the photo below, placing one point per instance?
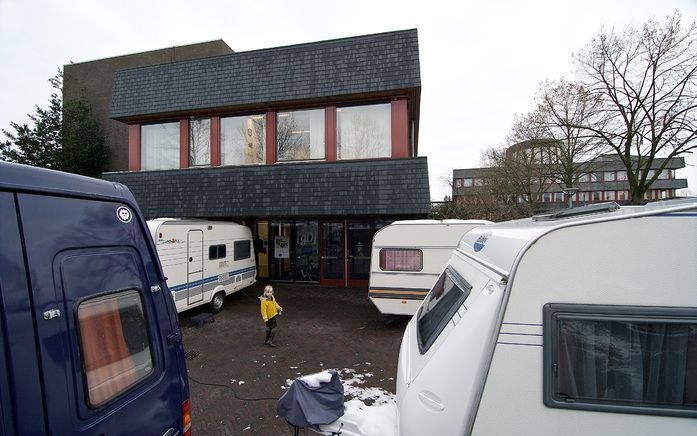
(332, 259)
(359, 238)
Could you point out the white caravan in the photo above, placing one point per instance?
(406, 259)
(580, 323)
(204, 261)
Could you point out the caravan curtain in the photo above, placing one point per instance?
(626, 362)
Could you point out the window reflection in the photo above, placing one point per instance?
(300, 135)
(243, 140)
(363, 131)
(200, 142)
(159, 146)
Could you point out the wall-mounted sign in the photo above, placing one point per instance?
(281, 247)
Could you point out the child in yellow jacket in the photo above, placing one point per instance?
(269, 310)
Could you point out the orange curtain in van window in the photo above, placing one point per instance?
(107, 362)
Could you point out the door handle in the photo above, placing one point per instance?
(430, 400)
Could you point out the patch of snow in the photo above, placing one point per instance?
(315, 380)
(241, 382)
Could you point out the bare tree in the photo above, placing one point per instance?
(562, 107)
(515, 176)
(646, 81)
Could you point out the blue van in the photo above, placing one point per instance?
(89, 338)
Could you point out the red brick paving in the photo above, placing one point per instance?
(321, 328)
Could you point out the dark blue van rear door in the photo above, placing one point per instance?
(106, 364)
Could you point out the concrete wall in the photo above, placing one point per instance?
(93, 81)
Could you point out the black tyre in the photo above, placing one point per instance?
(217, 302)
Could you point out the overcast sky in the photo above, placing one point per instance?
(481, 62)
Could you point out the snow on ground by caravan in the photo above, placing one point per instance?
(369, 411)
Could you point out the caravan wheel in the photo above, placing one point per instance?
(217, 302)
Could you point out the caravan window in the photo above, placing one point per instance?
(401, 259)
(621, 359)
(243, 250)
(446, 297)
(217, 252)
(114, 343)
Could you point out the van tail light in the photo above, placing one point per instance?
(186, 418)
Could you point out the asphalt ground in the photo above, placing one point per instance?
(236, 380)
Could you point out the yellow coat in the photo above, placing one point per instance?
(269, 308)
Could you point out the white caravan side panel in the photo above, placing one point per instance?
(605, 266)
(401, 292)
(218, 275)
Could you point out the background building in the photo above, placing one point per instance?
(314, 146)
(601, 179)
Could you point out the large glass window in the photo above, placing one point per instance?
(439, 306)
(200, 142)
(115, 345)
(364, 131)
(243, 140)
(159, 146)
(621, 359)
(300, 135)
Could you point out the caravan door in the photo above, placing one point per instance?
(194, 252)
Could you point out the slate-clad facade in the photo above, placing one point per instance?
(314, 146)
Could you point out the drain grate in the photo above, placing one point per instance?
(191, 354)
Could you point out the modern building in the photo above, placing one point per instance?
(314, 146)
(92, 81)
(601, 179)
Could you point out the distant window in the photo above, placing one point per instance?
(664, 194)
(243, 140)
(478, 182)
(467, 183)
(547, 197)
(594, 177)
(458, 183)
(597, 195)
(114, 345)
(584, 178)
(439, 306)
(200, 142)
(663, 175)
(242, 250)
(217, 252)
(401, 259)
(584, 196)
(609, 176)
(650, 174)
(610, 195)
(621, 359)
(159, 146)
(622, 195)
(559, 197)
(300, 135)
(621, 176)
(364, 131)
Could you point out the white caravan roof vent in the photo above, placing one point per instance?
(578, 211)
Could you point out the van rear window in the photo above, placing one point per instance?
(445, 298)
(401, 259)
(115, 345)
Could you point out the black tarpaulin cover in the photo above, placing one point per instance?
(312, 404)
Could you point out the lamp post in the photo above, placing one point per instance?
(570, 191)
